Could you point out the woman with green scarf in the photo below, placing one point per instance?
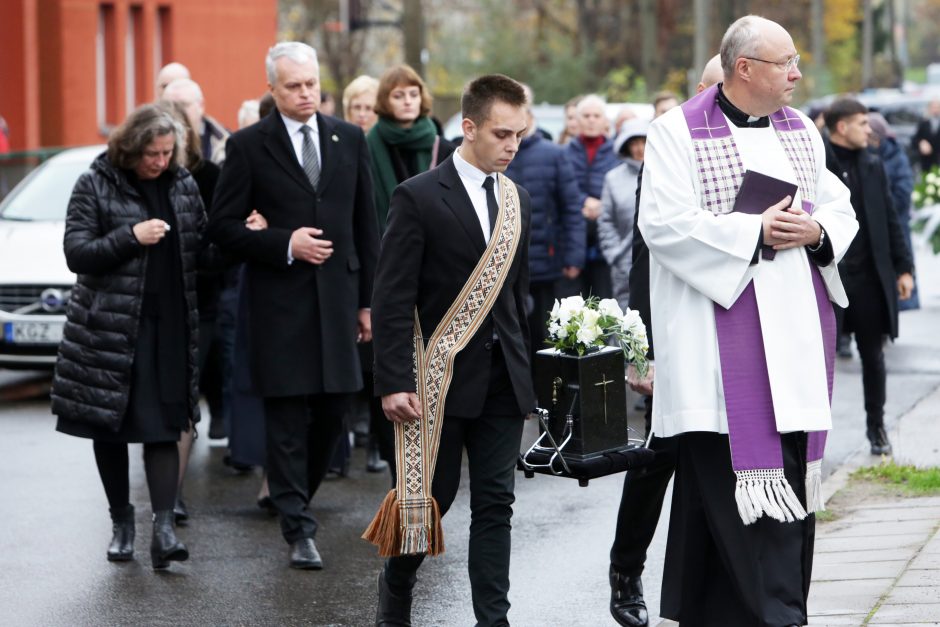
(405, 141)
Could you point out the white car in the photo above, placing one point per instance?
(34, 279)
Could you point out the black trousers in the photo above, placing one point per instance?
(301, 432)
(543, 299)
(641, 503)
(867, 317)
(719, 571)
(492, 441)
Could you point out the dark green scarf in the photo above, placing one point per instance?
(418, 138)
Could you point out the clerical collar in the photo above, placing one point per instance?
(739, 118)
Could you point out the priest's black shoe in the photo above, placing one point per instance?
(165, 546)
(626, 600)
(394, 608)
(304, 555)
(121, 548)
(879, 441)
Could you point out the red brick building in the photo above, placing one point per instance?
(72, 69)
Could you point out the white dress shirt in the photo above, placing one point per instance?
(472, 178)
(297, 141)
(297, 137)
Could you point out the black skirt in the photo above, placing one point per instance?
(148, 418)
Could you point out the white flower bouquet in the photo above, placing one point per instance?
(577, 326)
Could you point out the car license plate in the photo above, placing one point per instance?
(33, 332)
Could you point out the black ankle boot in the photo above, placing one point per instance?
(877, 437)
(180, 512)
(394, 608)
(374, 461)
(165, 546)
(626, 600)
(121, 548)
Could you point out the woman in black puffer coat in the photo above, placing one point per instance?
(126, 370)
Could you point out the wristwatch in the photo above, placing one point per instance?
(819, 244)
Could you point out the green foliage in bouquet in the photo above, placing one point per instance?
(926, 198)
(577, 326)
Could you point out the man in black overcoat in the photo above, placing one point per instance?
(310, 274)
(438, 229)
(926, 140)
(878, 267)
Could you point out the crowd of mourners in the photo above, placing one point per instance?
(196, 283)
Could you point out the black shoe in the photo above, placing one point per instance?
(626, 600)
(374, 463)
(239, 468)
(217, 430)
(304, 555)
(165, 546)
(879, 441)
(394, 610)
(267, 505)
(180, 513)
(121, 548)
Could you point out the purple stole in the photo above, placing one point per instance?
(756, 453)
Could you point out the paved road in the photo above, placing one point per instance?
(56, 528)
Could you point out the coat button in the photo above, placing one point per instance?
(488, 346)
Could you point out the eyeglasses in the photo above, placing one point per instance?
(786, 66)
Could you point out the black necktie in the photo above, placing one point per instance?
(491, 205)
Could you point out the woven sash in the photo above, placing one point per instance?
(756, 453)
(408, 521)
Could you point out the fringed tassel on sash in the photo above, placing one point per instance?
(385, 529)
(423, 533)
(815, 501)
(394, 538)
(760, 492)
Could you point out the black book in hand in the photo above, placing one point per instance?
(757, 193)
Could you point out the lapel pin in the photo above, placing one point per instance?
(335, 138)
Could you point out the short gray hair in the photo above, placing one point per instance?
(740, 40)
(589, 101)
(296, 51)
(184, 87)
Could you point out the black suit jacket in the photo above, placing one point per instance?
(431, 245)
(924, 132)
(303, 320)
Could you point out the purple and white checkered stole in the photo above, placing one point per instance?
(756, 453)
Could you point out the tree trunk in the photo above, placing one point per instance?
(868, 43)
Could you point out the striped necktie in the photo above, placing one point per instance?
(309, 154)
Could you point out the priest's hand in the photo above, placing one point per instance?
(905, 286)
(925, 148)
(401, 407)
(571, 272)
(642, 385)
(793, 228)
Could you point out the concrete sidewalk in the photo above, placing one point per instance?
(878, 563)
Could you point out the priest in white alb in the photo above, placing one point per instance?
(742, 284)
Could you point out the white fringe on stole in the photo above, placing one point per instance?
(815, 501)
(766, 492)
